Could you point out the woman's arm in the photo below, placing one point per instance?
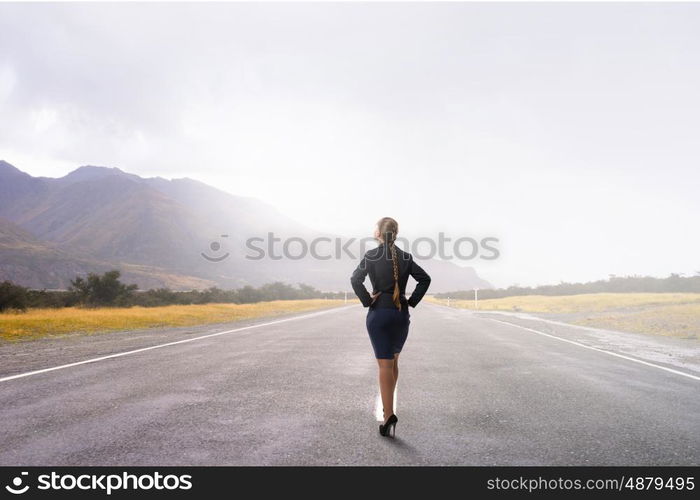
(357, 281)
(423, 283)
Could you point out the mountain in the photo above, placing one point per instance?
(30, 262)
(159, 232)
(16, 185)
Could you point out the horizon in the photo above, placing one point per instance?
(567, 134)
(534, 286)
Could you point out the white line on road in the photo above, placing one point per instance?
(378, 414)
(192, 339)
(671, 370)
(379, 406)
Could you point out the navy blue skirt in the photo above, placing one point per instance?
(388, 329)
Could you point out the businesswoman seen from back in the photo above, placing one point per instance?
(388, 318)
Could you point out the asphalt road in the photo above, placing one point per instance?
(472, 391)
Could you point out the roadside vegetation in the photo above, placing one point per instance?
(37, 323)
(97, 303)
(674, 283)
(668, 314)
(107, 290)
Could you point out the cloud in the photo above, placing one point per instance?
(519, 120)
(8, 80)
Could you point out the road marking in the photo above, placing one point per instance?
(671, 370)
(184, 341)
(378, 405)
(378, 414)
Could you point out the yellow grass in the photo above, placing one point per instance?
(671, 314)
(676, 320)
(48, 322)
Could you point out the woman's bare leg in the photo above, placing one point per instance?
(396, 370)
(387, 382)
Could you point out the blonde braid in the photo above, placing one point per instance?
(388, 227)
(396, 297)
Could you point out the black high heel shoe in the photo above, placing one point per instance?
(388, 429)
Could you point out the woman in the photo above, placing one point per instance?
(388, 318)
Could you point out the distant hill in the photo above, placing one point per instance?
(155, 230)
(27, 261)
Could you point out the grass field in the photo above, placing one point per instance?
(37, 323)
(670, 314)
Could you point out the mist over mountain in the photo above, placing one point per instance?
(179, 233)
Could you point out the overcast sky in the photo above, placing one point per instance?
(569, 131)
